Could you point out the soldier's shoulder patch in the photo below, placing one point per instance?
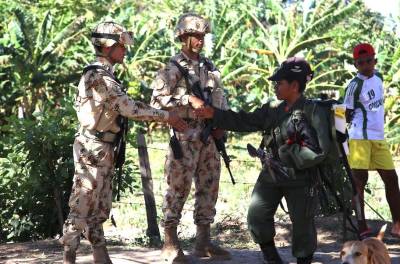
(166, 78)
(92, 78)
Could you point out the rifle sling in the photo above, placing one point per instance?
(186, 75)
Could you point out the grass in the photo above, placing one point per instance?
(233, 200)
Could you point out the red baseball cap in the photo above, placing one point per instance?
(363, 50)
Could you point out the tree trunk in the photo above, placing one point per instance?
(58, 202)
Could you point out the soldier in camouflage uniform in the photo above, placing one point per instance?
(200, 160)
(100, 100)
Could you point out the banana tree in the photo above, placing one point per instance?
(297, 30)
(35, 58)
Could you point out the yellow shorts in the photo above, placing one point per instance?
(370, 155)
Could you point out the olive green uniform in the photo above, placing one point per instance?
(298, 189)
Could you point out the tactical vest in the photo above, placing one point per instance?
(96, 121)
(92, 114)
(211, 93)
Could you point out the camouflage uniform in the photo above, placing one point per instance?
(100, 100)
(200, 161)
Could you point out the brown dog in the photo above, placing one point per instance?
(368, 251)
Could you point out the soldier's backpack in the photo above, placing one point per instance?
(336, 188)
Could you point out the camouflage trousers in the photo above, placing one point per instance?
(202, 163)
(91, 195)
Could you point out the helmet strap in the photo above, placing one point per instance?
(98, 51)
(107, 56)
(110, 52)
(189, 45)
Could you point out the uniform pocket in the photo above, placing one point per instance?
(93, 152)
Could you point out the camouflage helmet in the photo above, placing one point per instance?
(107, 34)
(192, 23)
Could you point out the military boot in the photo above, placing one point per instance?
(172, 252)
(69, 255)
(100, 255)
(306, 260)
(271, 255)
(204, 247)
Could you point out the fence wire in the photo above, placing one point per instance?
(241, 150)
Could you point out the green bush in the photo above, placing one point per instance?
(36, 174)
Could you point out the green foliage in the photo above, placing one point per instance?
(36, 173)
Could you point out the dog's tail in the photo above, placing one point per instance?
(381, 233)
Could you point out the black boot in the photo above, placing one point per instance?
(306, 260)
(271, 255)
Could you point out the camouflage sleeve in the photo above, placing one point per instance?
(166, 94)
(110, 93)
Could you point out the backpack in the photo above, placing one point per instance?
(335, 187)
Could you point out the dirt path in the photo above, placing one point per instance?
(49, 251)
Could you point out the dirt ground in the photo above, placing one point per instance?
(232, 236)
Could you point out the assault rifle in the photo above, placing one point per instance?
(119, 151)
(275, 168)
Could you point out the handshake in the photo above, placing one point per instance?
(201, 110)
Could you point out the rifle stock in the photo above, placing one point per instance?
(119, 152)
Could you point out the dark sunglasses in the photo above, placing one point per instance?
(361, 62)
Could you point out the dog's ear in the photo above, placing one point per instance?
(371, 258)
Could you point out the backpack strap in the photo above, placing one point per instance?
(103, 69)
(194, 89)
(209, 65)
(184, 73)
(310, 112)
